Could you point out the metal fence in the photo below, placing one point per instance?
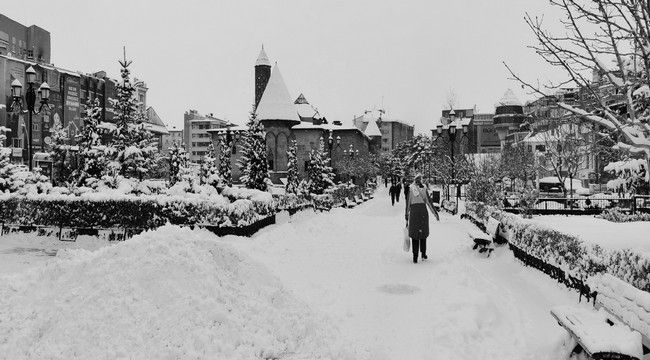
(590, 205)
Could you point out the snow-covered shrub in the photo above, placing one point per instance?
(568, 252)
(617, 215)
(253, 163)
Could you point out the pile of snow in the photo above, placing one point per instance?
(168, 294)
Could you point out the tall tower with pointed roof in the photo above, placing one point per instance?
(262, 75)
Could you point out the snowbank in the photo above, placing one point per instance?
(167, 294)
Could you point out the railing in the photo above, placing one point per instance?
(586, 205)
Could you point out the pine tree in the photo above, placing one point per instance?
(92, 158)
(6, 167)
(139, 157)
(208, 172)
(61, 160)
(320, 174)
(133, 143)
(292, 168)
(177, 163)
(255, 173)
(224, 162)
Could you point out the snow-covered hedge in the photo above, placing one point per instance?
(568, 252)
(144, 211)
(616, 215)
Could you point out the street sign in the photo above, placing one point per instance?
(17, 152)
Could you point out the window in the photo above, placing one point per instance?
(17, 142)
(306, 165)
(193, 144)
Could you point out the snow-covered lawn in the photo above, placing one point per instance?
(335, 284)
(609, 235)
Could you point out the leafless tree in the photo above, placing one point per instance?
(598, 32)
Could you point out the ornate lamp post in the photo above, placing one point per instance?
(330, 143)
(451, 130)
(30, 99)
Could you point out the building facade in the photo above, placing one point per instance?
(30, 43)
(195, 133)
(70, 91)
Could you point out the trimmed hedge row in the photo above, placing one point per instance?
(570, 253)
(236, 208)
(129, 211)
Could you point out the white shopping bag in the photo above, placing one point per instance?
(407, 240)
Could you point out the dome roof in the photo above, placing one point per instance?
(276, 103)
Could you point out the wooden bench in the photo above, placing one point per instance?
(357, 199)
(349, 203)
(483, 243)
(364, 197)
(618, 327)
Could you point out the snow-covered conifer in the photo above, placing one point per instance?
(255, 173)
(320, 174)
(225, 172)
(292, 168)
(208, 172)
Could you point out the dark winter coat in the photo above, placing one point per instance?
(417, 214)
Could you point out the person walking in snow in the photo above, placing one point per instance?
(398, 189)
(417, 217)
(391, 191)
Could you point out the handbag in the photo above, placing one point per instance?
(407, 239)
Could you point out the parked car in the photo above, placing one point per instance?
(552, 187)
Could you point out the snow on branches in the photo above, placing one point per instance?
(253, 165)
(292, 168)
(319, 173)
(225, 171)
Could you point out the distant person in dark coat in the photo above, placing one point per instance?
(417, 217)
(398, 189)
(385, 181)
(406, 188)
(392, 191)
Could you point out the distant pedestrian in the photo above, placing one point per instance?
(392, 191)
(417, 217)
(406, 188)
(385, 181)
(398, 190)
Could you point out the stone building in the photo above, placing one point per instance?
(285, 120)
(31, 43)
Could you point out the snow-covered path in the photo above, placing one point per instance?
(349, 264)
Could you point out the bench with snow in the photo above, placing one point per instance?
(357, 199)
(482, 242)
(618, 327)
(370, 193)
(364, 197)
(349, 203)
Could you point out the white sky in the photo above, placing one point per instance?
(345, 56)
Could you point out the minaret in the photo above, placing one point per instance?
(262, 75)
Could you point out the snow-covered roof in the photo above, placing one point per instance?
(276, 102)
(372, 129)
(154, 123)
(262, 59)
(305, 110)
(509, 99)
(308, 126)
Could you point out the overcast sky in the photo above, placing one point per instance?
(345, 56)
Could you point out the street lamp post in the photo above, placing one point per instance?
(30, 99)
(450, 130)
(351, 153)
(330, 143)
